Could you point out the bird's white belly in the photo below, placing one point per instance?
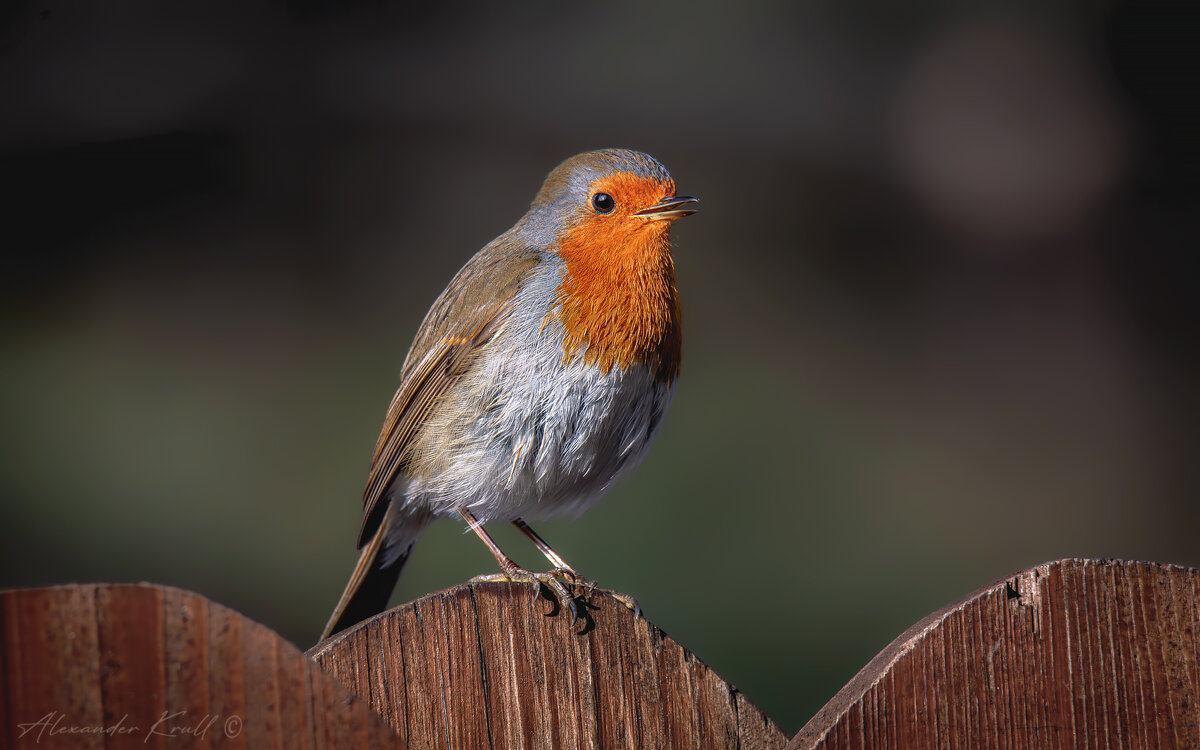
(535, 437)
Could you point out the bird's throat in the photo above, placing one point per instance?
(617, 300)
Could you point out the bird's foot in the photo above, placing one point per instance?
(566, 588)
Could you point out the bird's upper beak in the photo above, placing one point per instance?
(669, 208)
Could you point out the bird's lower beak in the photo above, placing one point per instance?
(669, 208)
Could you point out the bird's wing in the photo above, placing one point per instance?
(460, 323)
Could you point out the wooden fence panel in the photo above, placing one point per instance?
(141, 666)
(1074, 653)
(479, 665)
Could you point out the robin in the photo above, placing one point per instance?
(538, 377)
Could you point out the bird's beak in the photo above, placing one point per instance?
(669, 208)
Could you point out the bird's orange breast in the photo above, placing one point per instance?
(617, 301)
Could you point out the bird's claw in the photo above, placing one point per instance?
(587, 587)
(628, 601)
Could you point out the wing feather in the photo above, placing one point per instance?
(459, 325)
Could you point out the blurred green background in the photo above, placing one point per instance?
(939, 303)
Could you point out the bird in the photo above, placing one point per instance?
(539, 376)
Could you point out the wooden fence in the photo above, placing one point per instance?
(1075, 653)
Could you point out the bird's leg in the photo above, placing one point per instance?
(565, 570)
(514, 572)
(561, 566)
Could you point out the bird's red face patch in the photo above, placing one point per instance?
(618, 301)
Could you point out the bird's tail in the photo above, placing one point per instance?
(370, 585)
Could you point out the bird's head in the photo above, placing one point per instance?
(611, 197)
(610, 214)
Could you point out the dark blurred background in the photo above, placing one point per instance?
(939, 302)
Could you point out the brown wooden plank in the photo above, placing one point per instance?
(480, 663)
(51, 658)
(118, 665)
(527, 675)
(185, 637)
(132, 673)
(1074, 653)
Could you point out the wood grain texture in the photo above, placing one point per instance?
(1074, 653)
(117, 665)
(480, 665)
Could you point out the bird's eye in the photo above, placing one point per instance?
(603, 203)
